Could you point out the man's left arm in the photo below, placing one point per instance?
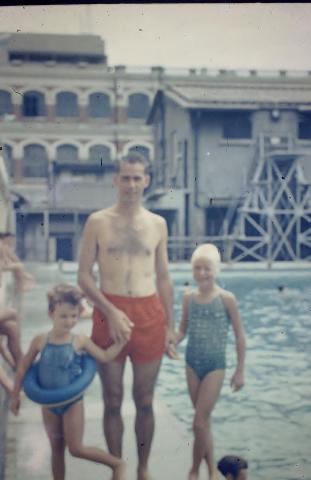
(165, 290)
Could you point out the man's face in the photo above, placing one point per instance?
(131, 181)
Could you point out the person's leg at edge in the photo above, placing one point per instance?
(144, 379)
(111, 376)
(54, 428)
(204, 395)
(73, 431)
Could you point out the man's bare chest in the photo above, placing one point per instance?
(134, 239)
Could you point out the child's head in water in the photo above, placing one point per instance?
(205, 263)
(233, 467)
(64, 306)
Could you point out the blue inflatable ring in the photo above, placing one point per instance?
(59, 396)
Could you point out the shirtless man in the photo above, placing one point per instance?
(134, 301)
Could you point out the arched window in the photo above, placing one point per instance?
(35, 162)
(100, 154)
(33, 104)
(8, 159)
(5, 102)
(67, 104)
(142, 150)
(99, 105)
(138, 106)
(67, 153)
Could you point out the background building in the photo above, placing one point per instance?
(233, 163)
(66, 116)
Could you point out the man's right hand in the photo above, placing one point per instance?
(120, 326)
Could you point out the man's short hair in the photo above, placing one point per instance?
(231, 464)
(133, 157)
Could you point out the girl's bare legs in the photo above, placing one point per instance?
(204, 395)
(54, 428)
(74, 429)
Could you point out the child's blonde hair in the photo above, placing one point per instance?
(209, 252)
(64, 293)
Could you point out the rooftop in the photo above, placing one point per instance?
(62, 44)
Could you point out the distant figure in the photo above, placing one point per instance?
(58, 366)
(285, 292)
(206, 314)
(233, 467)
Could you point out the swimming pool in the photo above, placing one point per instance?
(268, 422)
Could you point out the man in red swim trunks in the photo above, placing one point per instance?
(134, 300)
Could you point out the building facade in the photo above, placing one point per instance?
(66, 116)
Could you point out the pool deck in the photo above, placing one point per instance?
(27, 449)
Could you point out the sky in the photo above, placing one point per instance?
(255, 35)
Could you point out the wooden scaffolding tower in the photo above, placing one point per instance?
(274, 222)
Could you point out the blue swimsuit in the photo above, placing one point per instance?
(58, 366)
(207, 336)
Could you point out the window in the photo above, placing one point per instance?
(99, 105)
(35, 162)
(138, 106)
(237, 125)
(67, 154)
(5, 102)
(33, 104)
(142, 150)
(67, 105)
(304, 127)
(100, 154)
(8, 160)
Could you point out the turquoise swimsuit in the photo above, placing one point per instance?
(58, 366)
(207, 336)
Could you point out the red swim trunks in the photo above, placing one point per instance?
(147, 342)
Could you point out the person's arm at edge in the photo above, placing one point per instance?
(237, 380)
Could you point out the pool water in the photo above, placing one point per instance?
(268, 422)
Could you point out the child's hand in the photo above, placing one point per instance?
(237, 381)
(171, 351)
(170, 344)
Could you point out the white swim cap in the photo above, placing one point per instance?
(209, 252)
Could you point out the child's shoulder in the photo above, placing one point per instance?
(189, 292)
(226, 295)
(40, 340)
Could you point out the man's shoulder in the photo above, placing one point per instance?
(155, 217)
(99, 215)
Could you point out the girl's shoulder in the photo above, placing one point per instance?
(79, 342)
(189, 293)
(226, 293)
(40, 340)
(227, 297)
